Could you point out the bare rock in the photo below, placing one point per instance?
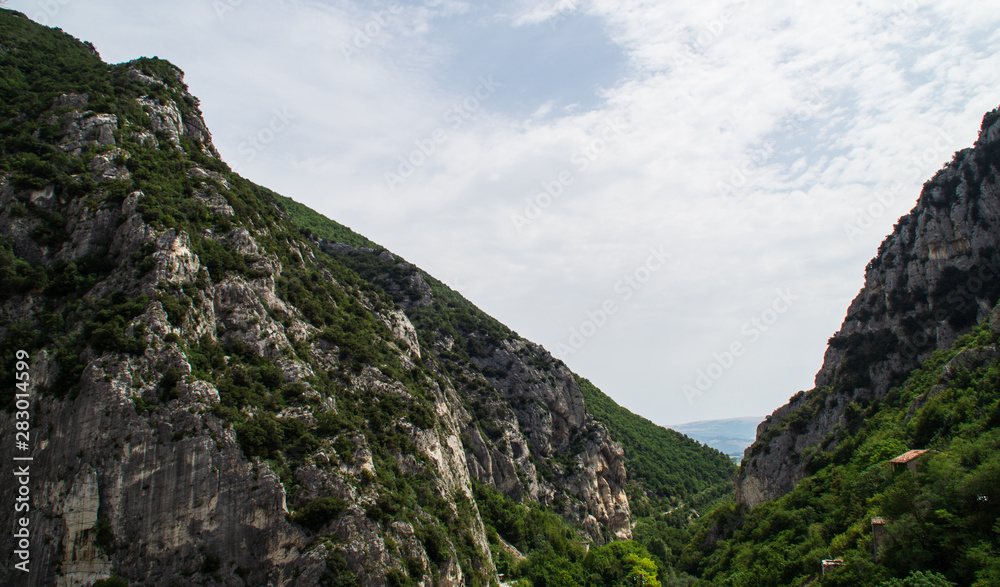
(175, 261)
(995, 320)
(166, 118)
(82, 129)
(599, 481)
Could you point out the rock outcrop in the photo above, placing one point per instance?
(524, 422)
(934, 278)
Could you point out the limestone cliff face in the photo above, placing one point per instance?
(934, 277)
(524, 424)
(218, 398)
(169, 477)
(541, 416)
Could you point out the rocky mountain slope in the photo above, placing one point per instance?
(889, 515)
(227, 388)
(932, 280)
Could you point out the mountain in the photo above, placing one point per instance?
(731, 436)
(934, 278)
(929, 521)
(886, 474)
(215, 384)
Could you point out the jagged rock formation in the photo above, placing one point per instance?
(934, 278)
(524, 423)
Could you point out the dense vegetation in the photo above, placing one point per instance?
(942, 521)
(663, 464)
(315, 225)
(557, 557)
(438, 313)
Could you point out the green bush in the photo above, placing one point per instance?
(104, 536)
(112, 581)
(260, 436)
(168, 384)
(318, 512)
(919, 579)
(942, 519)
(211, 564)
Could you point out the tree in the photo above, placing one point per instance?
(920, 579)
(643, 571)
(563, 579)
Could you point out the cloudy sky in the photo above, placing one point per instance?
(679, 201)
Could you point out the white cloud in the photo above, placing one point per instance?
(844, 100)
(527, 12)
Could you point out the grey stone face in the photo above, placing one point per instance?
(933, 279)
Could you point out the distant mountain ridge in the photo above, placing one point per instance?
(731, 436)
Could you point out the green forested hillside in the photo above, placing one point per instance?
(942, 523)
(664, 464)
(26, 92)
(320, 226)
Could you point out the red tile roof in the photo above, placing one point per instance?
(907, 457)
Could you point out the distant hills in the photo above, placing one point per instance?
(731, 436)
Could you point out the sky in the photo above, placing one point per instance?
(677, 199)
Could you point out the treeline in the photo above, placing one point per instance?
(555, 556)
(664, 466)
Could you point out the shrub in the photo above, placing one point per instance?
(318, 512)
(211, 564)
(112, 581)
